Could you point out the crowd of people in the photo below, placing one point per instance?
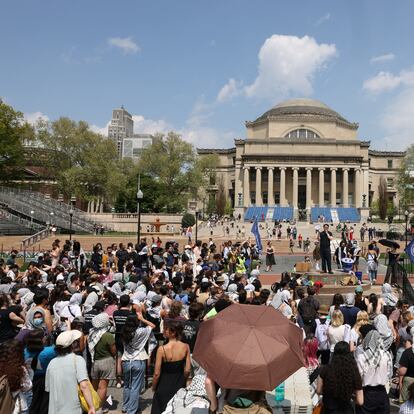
(69, 324)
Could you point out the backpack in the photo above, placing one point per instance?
(308, 311)
(321, 334)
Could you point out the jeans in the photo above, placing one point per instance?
(134, 374)
(372, 274)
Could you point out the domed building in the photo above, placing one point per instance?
(301, 159)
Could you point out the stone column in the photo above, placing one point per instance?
(259, 201)
(283, 186)
(358, 188)
(308, 188)
(321, 187)
(246, 188)
(333, 187)
(366, 185)
(345, 189)
(270, 189)
(295, 182)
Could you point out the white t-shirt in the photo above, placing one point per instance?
(335, 335)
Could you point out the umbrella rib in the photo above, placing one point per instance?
(261, 350)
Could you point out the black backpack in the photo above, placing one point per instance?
(307, 310)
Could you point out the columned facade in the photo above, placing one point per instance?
(303, 155)
(324, 190)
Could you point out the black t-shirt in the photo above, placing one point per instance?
(88, 320)
(407, 361)
(190, 332)
(7, 330)
(120, 316)
(324, 241)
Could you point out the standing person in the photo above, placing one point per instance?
(308, 309)
(7, 319)
(270, 256)
(372, 263)
(135, 335)
(64, 374)
(339, 380)
(291, 244)
(120, 317)
(392, 269)
(310, 350)
(101, 345)
(375, 367)
(172, 367)
(37, 358)
(325, 238)
(337, 330)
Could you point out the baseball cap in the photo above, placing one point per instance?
(67, 338)
(359, 289)
(220, 279)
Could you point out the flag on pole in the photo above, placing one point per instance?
(409, 250)
(255, 231)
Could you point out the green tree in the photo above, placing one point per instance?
(13, 130)
(188, 220)
(405, 182)
(221, 198)
(382, 199)
(85, 163)
(180, 174)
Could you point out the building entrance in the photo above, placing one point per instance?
(302, 197)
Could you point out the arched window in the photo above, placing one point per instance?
(302, 133)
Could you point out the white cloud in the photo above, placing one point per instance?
(386, 81)
(382, 58)
(126, 44)
(287, 66)
(383, 81)
(100, 130)
(230, 90)
(323, 19)
(33, 117)
(150, 126)
(398, 121)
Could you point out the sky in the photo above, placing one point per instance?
(202, 68)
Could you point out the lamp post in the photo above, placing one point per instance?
(51, 218)
(31, 219)
(140, 196)
(196, 226)
(406, 214)
(70, 222)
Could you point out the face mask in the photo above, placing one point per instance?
(38, 322)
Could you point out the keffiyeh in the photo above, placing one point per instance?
(100, 325)
(381, 325)
(387, 295)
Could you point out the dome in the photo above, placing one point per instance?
(307, 109)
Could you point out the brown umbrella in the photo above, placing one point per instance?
(249, 347)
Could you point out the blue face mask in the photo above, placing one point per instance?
(38, 322)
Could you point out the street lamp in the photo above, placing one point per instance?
(140, 196)
(196, 226)
(31, 219)
(406, 214)
(70, 222)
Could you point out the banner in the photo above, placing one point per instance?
(255, 231)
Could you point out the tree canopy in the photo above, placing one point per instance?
(406, 178)
(13, 130)
(85, 163)
(179, 172)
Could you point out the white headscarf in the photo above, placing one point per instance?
(100, 325)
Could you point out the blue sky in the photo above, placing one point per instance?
(204, 67)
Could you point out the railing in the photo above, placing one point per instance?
(35, 238)
(21, 221)
(41, 210)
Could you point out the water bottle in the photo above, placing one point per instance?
(280, 392)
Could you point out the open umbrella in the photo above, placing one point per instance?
(389, 243)
(249, 347)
